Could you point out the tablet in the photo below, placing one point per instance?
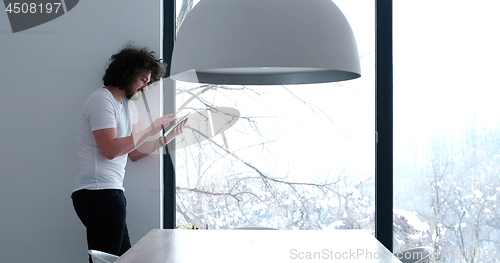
(177, 122)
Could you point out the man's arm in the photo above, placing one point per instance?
(149, 147)
(112, 147)
(136, 154)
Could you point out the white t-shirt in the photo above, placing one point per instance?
(102, 111)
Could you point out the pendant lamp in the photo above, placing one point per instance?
(265, 42)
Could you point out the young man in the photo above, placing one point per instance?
(107, 133)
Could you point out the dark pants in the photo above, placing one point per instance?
(103, 213)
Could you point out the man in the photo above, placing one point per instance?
(107, 133)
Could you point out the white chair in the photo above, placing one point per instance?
(415, 255)
(102, 257)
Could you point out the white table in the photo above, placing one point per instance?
(262, 246)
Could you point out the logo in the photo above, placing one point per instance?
(25, 14)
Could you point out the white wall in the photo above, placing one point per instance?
(46, 73)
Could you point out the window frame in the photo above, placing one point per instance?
(383, 122)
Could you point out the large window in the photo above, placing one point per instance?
(446, 128)
(298, 156)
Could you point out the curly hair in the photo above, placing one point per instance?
(130, 61)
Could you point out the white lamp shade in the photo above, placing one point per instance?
(265, 42)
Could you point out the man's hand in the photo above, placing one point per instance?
(151, 146)
(176, 131)
(162, 122)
